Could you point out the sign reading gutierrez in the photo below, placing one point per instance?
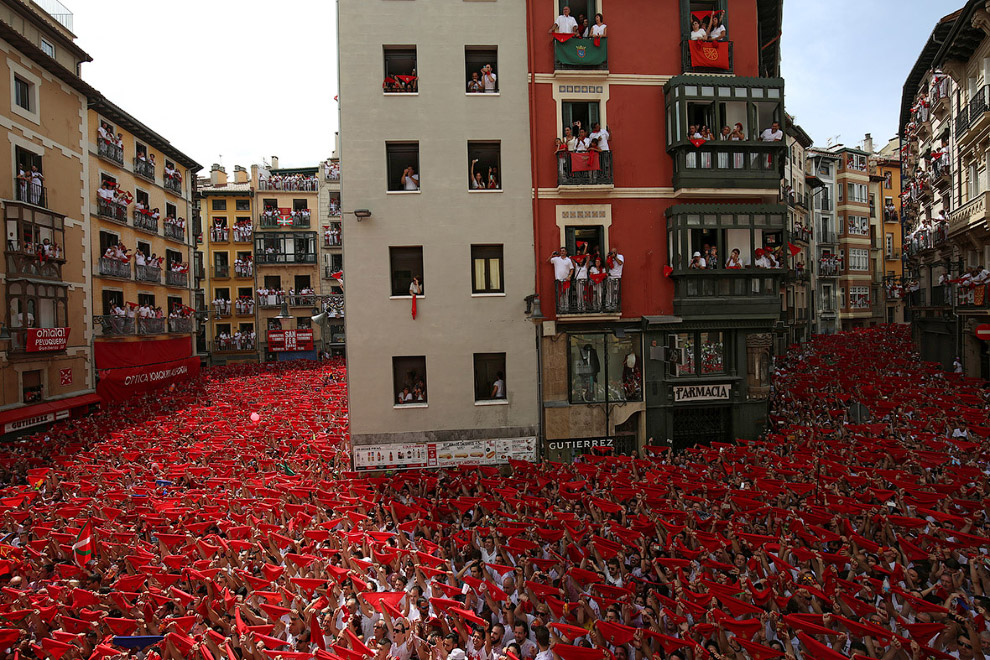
(701, 392)
(47, 339)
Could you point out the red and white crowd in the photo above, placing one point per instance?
(223, 525)
(302, 182)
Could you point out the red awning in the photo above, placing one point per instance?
(41, 409)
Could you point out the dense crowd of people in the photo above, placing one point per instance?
(222, 523)
(289, 182)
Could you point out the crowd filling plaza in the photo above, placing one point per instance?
(221, 521)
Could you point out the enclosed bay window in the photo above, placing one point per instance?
(605, 367)
(726, 241)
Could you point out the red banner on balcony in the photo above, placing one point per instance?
(585, 161)
(126, 369)
(46, 339)
(290, 340)
(710, 54)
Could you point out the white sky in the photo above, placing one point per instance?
(246, 80)
(255, 78)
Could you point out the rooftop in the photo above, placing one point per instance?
(56, 10)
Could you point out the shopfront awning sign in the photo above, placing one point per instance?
(684, 393)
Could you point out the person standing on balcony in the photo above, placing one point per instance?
(717, 30)
(599, 29)
(772, 134)
(563, 268)
(565, 23)
(583, 141)
(697, 32)
(601, 134)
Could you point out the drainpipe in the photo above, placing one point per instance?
(531, 65)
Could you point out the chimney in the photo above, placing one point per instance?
(868, 144)
(240, 174)
(218, 175)
(274, 162)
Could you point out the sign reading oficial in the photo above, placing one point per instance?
(702, 392)
(290, 340)
(47, 339)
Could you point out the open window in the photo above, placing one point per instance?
(587, 240)
(402, 160)
(401, 75)
(489, 377)
(30, 182)
(579, 115)
(406, 270)
(112, 299)
(481, 69)
(484, 166)
(409, 380)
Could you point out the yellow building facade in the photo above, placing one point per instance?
(141, 245)
(45, 353)
(227, 208)
(887, 168)
(855, 286)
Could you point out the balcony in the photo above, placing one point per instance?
(110, 151)
(151, 274)
(270, 301)
(890, 215)
(329, 271)
(331, 235)
(797, 276)
(942, 295)
(244, 270)
(219, 235)
(145, 221)
(174, 278)
(580, 55)
(728, 164)
(827, 237)
(941, 173)
(27, 264)
(221, 272)
(144, 168)
(242, 233)
(115, 268)
(977, 117)
(221, 307)
(173, 185)
(111, 210)
(586, 298)
(892, 255)
(175, 232)
(742, 293)
(303, 300)
(970, 216)
(698, 63)
(270, 222)
(290, 184)
(276, 258)
(975, 298)
(599, 174)
(334, 210)
(151, 326)
(31, 193)
(244, 307)
(180, 326)
(112, 325)
(802, 234)
(230, 345)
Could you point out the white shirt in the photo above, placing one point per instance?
(598, 30)
(562, 267)
(582, 145)
(602, 136)
(616, 271)
(499, 389)
(698, 34)
(412, 182)
(718, 32)
(490, 79)
(771, 135)
(566, 24)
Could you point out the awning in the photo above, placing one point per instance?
(42, 413)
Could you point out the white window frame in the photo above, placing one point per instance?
(48, 48)
(859, 259)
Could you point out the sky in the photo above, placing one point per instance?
(843, 77)
(254, 79)
(223, 81)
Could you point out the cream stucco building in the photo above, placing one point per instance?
(471, 250)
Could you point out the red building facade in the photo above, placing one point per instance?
(667, 351)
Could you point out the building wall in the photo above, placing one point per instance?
(444, 218)
(846, 176)
(57, 133)
(159, 197)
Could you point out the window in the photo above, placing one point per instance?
(301, 282)
(479, 62)
(273, 282)
(222, 293)
(857, 193)
(409, 380)
(141, 197)
(697, 353)
(30, 188)
(170, 211)
(484, 166)
(859, 297)
(32, 386)
(146, 299)
(242, 204)
(47, 48)
(489, 377)
(584, 112)
(112, 299)
(858, 225)
(304, 322)
(219, 205)
(584, 240)
(405, 266)
(403, 166)
(23, 94)
(840, 188)
(596, 357)
(108, 240)
(859, 259)
(486, 269)
(888, 245)
(401, 76)
(300, 205)
(145, 248)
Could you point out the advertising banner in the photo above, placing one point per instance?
(444, 454)
(290, 340)
(125, 369)
(47, 339)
